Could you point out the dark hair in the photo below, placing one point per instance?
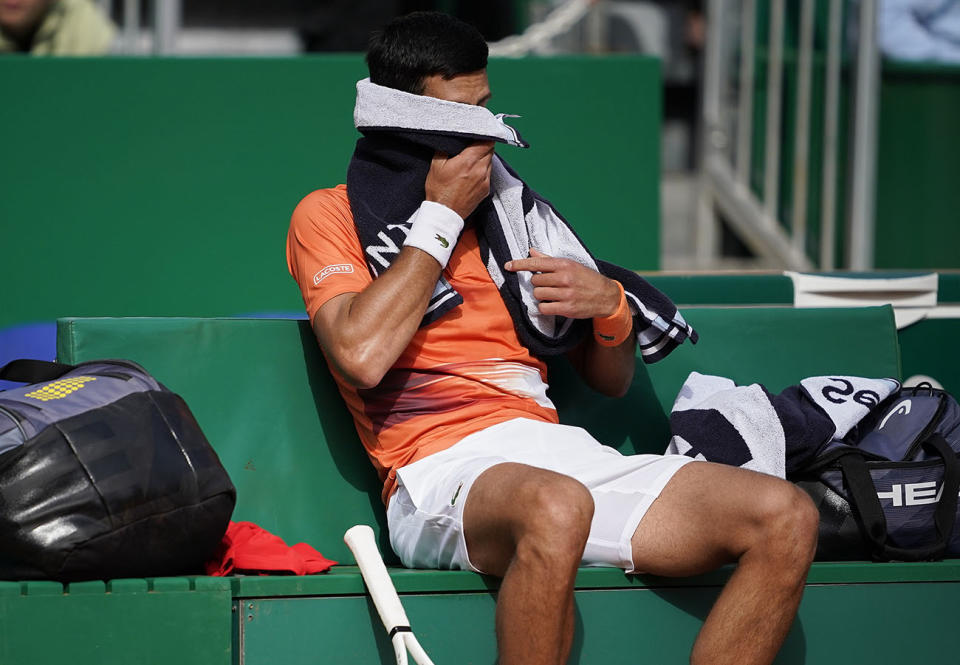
(422, 44)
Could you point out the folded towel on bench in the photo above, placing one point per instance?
(716, 420)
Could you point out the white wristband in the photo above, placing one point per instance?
(435, 229)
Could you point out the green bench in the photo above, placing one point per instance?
(262, 393)
(926, 347)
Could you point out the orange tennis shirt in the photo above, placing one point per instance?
(462, 373)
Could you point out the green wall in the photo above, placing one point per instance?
(165, 186)
(918, 161)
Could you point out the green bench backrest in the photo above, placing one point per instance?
(773, 346)
(262, 393)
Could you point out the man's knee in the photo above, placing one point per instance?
(788, 521)
(560, 511)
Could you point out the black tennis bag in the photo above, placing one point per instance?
(889, 491)
(104, 473)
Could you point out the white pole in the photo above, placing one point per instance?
(131, 25)
(166, 25)
(831, 115)
(712, 137)
(865, 142)
(801, 145)
(748, 38)
(771, 162)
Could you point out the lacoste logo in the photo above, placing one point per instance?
(456, 494)
(443, 241)
(340, 268)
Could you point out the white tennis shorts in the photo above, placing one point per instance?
(425, 514)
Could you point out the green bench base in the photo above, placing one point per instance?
(851, 613)
(623, 626)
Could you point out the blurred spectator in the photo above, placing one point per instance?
(920, 29)
(495, 19)
(54, 27)
(345, 25)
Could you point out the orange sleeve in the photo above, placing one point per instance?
(324, 254)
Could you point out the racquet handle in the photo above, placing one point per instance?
(361, 542)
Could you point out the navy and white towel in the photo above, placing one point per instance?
(385, 180)
(716, 420)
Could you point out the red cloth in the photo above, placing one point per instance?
(248, 548)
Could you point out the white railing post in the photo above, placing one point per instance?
(771, 162)
(166, 25)
(131, 26)
(801, 136)
(864, 141)
(713, 138)
(748, 38)
(831, 116)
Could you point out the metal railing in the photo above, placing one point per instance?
(538, 37)
(164, 28)
(761, 220)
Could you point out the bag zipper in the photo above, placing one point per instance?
(15, 417)
(128, 364)
(929, 429)
(116, 375)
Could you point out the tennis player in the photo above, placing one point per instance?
(477, 472)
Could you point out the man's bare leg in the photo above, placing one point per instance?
(712, 514)
(529, 526)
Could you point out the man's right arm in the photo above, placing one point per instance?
(364, 333)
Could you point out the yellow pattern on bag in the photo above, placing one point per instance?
(60, 389)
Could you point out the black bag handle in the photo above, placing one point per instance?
(864, 500)
(873, 524)
(946, 514)
(33, 371)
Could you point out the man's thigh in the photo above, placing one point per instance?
(510, 501)
(707, 516)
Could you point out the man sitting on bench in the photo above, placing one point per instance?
(452, 408)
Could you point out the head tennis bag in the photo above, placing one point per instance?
(889, 491)
(104, 473)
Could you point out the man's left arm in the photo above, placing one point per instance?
(564, 287)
